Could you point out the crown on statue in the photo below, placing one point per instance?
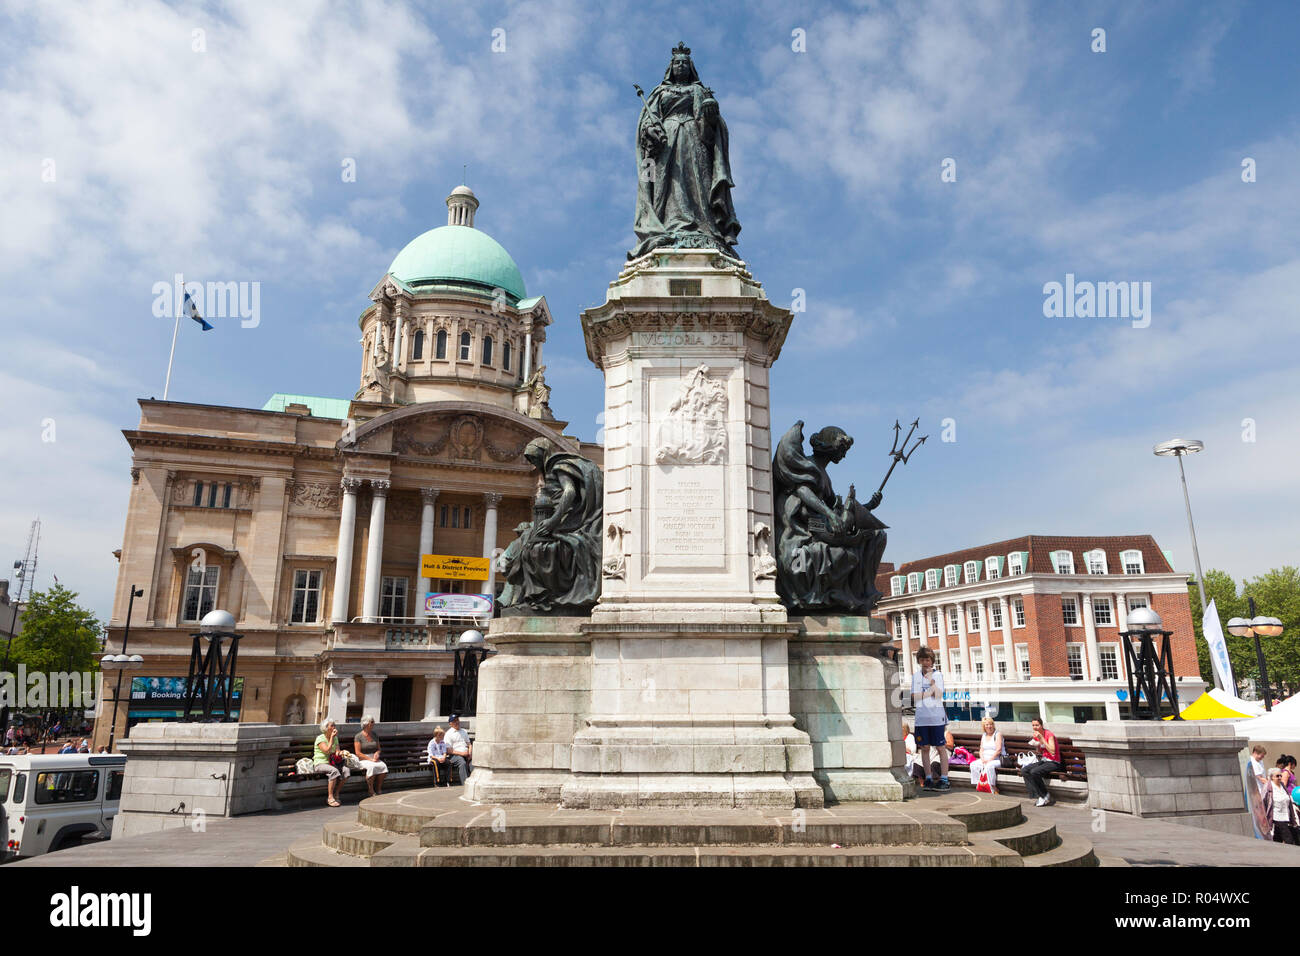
(681, 49)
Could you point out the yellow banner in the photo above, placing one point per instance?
(453, 567)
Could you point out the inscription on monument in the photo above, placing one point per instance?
(681, 338)
(688, 516)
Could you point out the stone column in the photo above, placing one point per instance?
(336, 701)
(986, 646)
(1008, 645)
(906, 644)
(374, 699)
(963, 640)
(942, 650)
(491, 499)
(375, 549)
(432, 696)
(1090, 638)
(343, 560)
(423, 584)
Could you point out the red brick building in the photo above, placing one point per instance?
(1032, 624)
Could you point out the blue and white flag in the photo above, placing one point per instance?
(192, 310)
(1213, 632)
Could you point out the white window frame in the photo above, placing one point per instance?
(995, 616)
(1073, 605)
(1018, 612)
(977, 663)
(1000, 662)
(932, 620)
(1111, 651)
(954, 620)
(466, 352)
(970, 572)
(1099, 603)
(1146, 601)
(954, 655)
(992, 569)
(385, 594)
(916, 623)
(302, 583)
(913, 582)
(1097, 556)
(1023, 669)
(1126, 558)
(1015, 563)
(896, 585)
(932, 579)
(899, 632)
(1074, 652)
(951, 575)
(973, 617)
(207, 586)
(1069, 562)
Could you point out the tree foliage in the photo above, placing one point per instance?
(1276, 594)
(57, 634)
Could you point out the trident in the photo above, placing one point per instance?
(898, 453)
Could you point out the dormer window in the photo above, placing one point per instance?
(440, 345)
(895, 585)
(932, 579)
(1096, 561)
(972, 571)
(992, 568)
(1132, 562)
(1016, 563)
(417, 346)
(950, 574)
(913, 582)
(1063, 562)
(465, 343)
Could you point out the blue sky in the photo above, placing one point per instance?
(924, 298)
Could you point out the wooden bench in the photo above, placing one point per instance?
(1070, 781)
(405, 755)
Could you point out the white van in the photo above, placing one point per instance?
(51, 801)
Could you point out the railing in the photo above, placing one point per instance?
(439, 633)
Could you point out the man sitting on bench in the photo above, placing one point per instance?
(1049, 762)
(459, 747)
(437, 751)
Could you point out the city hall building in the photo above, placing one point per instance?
(1030, 627)
(307, 518)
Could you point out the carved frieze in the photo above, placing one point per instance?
(318, 495)
(695, 432)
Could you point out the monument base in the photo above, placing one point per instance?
(844, 692)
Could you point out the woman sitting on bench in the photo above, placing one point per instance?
(1049, 762)
(990, 755)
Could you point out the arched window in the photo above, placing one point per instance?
(505, 356)
(417, 346)
(487, 350)
(464, 346)
(440, 345)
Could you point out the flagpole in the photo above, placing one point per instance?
(175, 329)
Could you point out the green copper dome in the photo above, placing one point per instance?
(458, 255)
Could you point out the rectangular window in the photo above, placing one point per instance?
(1022, 659)
(442, 517)
(1136, 601)
(934, 622)
(6, 775)
(306, 597)
(1101, 611)
(1018, 612)
(913, 583)
(464, 346)
(931, 579)
(955, 656)
(455, 517)
(467, 517)
(1132, 561)
(1074, 657)
(995, 615)
(200, 592)
(972, 572)
(67, 786)
(973, 612)
(1063, 561)
(225, 501)
(898, 627)
(1069, 612)
(950, 576)
(1015, 563)
(1000, 662)
(392, 598)
(212, 494)
(113, 789)
(1109, 661)
(1096, 561)
(198, 494)
(895, 586)
(992, 569)
(954, 620)
(916, 623)
(977, 661)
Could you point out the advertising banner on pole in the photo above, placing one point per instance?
(458, 604)
(1213, 632)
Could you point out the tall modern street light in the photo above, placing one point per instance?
(1258, 627)
(1178, 447)
(121, 662)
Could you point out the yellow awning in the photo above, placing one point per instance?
(1206, 707)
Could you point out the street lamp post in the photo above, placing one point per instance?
(1177, 448)
(120, 662)
(470, 651)
(1257, 627)
(1150, 665)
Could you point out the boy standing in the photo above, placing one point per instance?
(931, 718)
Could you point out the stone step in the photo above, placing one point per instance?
(1026, 838)
(403, 812)
(1071, 851)
(1105, 859)
(517, 827)
(981, 811)
(310, 851)
(349, 837)
(626, 856)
